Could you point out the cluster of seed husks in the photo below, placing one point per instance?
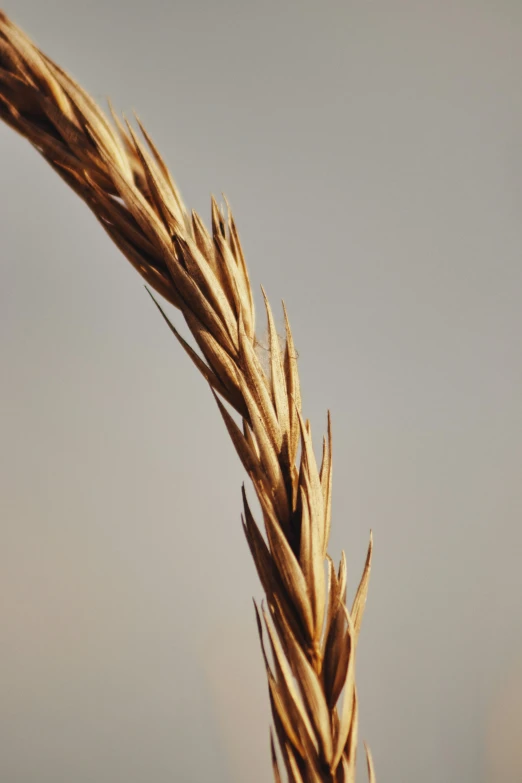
(307, 632)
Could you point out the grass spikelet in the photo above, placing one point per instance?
(309, 631)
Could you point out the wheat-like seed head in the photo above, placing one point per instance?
(307, 633)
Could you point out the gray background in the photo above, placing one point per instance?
(372, 153)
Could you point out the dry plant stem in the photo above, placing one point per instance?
(307, 633)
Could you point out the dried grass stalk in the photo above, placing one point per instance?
(307, 633)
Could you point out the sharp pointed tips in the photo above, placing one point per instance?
(227, 202)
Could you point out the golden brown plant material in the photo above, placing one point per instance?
(307, 633)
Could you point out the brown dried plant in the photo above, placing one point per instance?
(307, 633)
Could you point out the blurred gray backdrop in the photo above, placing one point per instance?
(372, 154)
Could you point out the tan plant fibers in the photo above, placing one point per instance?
(307, 633)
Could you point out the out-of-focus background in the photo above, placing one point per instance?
(372, 154)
